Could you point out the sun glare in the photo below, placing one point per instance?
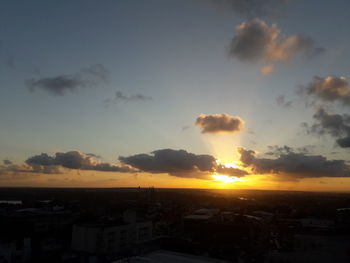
(226, 178)
(233, 164)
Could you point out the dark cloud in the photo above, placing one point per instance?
(22, 169)
(281, 101)
(174, 162)
(179, 163)
(42, 159)
(61, 84)
(75, 160)
(328, 89)
(252, 8)
(275, 150)
(6, 162)
(135, 97)
(294, 165)
(57, 85)
(256, 41)
(94, 155)
(219, 123)
(230, 171)
(247, 156)
(336, 125)
(323, 90)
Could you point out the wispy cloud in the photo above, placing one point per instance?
(59, 85)
(281, 101)
(121, 97)
(129, 98)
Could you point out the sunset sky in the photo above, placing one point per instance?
(248, 94)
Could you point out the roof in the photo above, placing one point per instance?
(161, 256)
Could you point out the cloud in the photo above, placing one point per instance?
(219, 123)
(61, 84)
(179, 163)
(174, 162)
(11, 169)
(328, 89)
(98, 71)
(120, 96)
(185, 127)
(96, 156)
(325, 90)
(291, 165)
(267, 70)
(47, 167)
(257, 42)
(252, 8)
(76, 160)
(336, 125)
(6, 162)
(230, 171)
(275, 150)
(281, 101)
(135, 97)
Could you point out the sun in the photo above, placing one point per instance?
(226, 178)
(233, 164)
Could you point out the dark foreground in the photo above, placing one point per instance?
(172, 225)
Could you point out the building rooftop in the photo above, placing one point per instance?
(161, 256)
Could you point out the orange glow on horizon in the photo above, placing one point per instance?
(226, 178)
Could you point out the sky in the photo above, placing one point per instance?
(241, 94)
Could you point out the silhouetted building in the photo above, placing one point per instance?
(17, 251)
(110, 238)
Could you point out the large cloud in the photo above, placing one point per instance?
(76, 160)
(328, 89)
(336, 125)
(219, 123)
(294, 165)
(179, 163)
(252, 8)
(256, 41)
(61, 84)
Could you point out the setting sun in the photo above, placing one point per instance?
(226, 178)
(233, 164)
